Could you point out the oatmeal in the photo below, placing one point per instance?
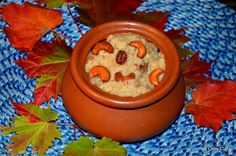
(125, 64)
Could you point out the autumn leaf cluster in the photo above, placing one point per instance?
(47, 61)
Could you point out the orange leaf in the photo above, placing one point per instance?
(28, 23)
(213, 103)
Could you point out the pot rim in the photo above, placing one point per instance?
(98, 33)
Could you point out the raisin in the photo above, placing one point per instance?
(144, 67)
(121, 57)
(120, 77)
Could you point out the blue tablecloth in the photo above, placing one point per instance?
(212, 29)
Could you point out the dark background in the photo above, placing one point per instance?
(229, 3)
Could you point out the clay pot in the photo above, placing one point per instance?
(124, 119)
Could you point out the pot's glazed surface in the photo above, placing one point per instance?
(124, 119)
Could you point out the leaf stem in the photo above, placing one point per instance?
(80, 31)
(63, 123)
(80, 130)
(74, 126)
(62, 35)
(74, 133)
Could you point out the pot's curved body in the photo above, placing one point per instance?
(125, 119)
(123, 125)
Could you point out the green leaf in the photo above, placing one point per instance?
(56, 3)
(40, 134)
(103, 147)
(84, 146)
(183, 52)
(107, 147)
(44, 114)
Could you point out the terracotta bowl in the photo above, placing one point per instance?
(124, 119)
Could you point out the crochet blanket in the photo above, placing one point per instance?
(212, 29)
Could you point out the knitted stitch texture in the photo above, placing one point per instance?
(212, 29)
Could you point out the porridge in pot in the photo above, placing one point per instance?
(125, 64)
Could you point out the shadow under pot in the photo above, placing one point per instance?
(123, 118)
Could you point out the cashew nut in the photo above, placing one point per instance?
(120, 77)
(141, 48)
(102, 46)
(100, 71)
(153, 77)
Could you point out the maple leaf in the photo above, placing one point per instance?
(26, 110)
(48, 86)
(194, 71)
(94, 12)
(212, 103)
(40, 134)
(103, 147)
(107, 147)
(156, 19)
(56, 3)
(28, 23)
(47, 62)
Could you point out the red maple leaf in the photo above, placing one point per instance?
(156, 19)
(24, 110)
(194, 71)
(95, 12)
(213, 103)
(47, 63)
(46, 58)
(28, 23)
(48, 86)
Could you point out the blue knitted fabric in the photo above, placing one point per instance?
(212, 29)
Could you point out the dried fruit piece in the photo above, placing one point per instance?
(120, 77)
(143, 67)
(121, 57)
